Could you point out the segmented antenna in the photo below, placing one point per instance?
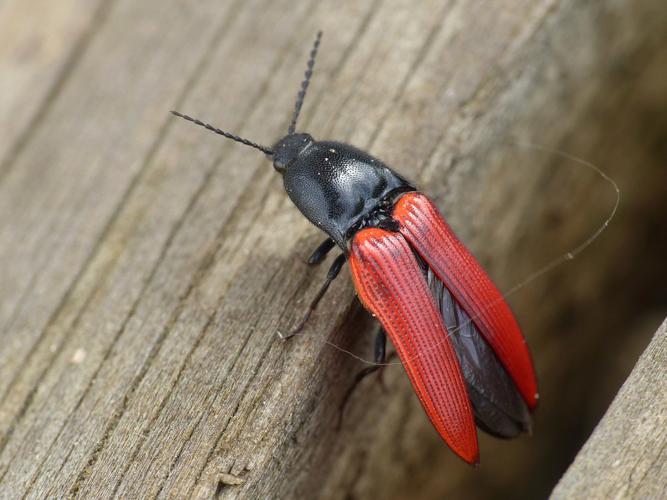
(236, 138)
(304, 84)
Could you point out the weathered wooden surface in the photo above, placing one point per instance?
(146, 265)
(36, 57)
(626, 457)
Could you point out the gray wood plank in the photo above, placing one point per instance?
(626, 457)
(147, 265)
(37, 55)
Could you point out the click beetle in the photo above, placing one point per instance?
(454, 332)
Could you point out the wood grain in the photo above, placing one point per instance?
(37, 55)
(626, 457)
(146, 265)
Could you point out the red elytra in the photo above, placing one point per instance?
(429, 234)
(392, 286)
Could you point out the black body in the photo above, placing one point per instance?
(338, 187)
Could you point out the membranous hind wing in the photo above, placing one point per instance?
(497, 405)
(391, 285)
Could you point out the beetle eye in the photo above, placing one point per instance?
(279, 166)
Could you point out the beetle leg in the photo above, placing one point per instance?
(321, 252)
(335, 268)
(379, 357)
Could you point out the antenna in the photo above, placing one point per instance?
(233, 137)
(304, 84)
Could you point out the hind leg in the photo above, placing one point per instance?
(335, 268)
(379, 358)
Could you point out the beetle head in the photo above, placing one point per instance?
(292, 145)
(287, 149)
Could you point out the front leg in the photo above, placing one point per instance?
(321, 252)
(335, 268)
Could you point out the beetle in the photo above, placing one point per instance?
(454, 333)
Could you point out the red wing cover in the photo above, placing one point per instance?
(428, 233)
(392, 287)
